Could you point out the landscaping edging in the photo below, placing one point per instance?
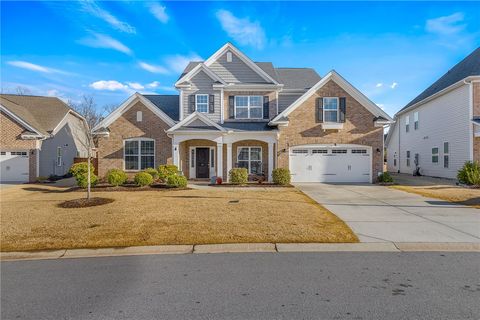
(243, 248)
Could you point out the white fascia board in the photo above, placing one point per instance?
(243, 57)
(127, 105)
(21, 121)
(345, 85)
(194, 71)
(390, 132)
(192, 117)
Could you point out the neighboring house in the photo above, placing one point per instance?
(233, 112)
(40, 136)
(439, 130)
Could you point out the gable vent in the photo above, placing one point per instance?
(229, 56)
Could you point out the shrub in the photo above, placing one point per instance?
(80, 172)
(116, 177)
(176, 181)
(152, 172)
(238, 175)
(281, 176)
(385, 177)
(470, 173)
(167, 170)
(143, 179)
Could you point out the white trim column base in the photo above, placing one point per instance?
(220, 160)
(176, 155)
(270, 161)
(229, 160)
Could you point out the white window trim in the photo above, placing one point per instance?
(437, 154)
(139, 155)
(338, 109)
(446, 154)
(208, 102)
(59, 157)
(247, 107)
(192, 171)
(249, 160)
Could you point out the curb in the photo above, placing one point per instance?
(243, 248)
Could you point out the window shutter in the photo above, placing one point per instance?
(191, 103)
(266, 107)
(211, 104)
(319, 109)
(231, 107)
(343, 109)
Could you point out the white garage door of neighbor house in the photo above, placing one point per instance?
(13, 166)
(330, 164)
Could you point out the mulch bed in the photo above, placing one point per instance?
(252, 185)
(84, 202)
(129, 187)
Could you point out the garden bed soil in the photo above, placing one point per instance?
(129, 187)
(84, 202)
(252, 185)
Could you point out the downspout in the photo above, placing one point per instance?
(470, 116)
(399, 132)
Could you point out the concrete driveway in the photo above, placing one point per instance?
(380, 214)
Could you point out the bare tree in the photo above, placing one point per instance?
(88, 109)
(22, 91)
(109, 108)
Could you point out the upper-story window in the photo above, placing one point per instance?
(407, 124)
(248, 107)
(201, 103)
(330, 109)
(415, 121)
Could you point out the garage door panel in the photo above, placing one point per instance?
(14, 166)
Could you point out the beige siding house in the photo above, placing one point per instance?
(234, 112)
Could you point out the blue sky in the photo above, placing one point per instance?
(391, 51)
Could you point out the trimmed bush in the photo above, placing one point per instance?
(238, 175)
(143, 179)
(470, 174)
(116, 177)
(80, 172)
(281, 176)
(176, 181)
(153, 172)
(166, 170)
(385, 178)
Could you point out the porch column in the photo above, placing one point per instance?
(270, 161)
(176, 155)
(229, 159)
(220, 160)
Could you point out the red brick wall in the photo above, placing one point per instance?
(476, 99)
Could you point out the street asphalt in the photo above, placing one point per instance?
(333, 285)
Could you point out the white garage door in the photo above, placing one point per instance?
(330, 164)
(13, 166)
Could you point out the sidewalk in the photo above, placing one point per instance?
(242, 248)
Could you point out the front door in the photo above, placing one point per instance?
(202, 163)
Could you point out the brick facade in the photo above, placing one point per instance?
(10, 140)
(110, 149)
(358, 129)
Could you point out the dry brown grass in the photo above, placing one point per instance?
(31, 220)
(460, 195)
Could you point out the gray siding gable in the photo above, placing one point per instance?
(236, 71)
(201, 83)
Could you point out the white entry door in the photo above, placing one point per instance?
(330, 164)
(14, 166)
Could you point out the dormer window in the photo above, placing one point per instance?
(229, 56)
(201, 103)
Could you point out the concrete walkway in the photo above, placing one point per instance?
(381, 214)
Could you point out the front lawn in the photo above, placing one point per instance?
(32, 220)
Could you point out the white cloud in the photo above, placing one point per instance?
(178, 63)
(446, 25)
(393, 85)
(381, 106)
(135, 85)
(153, 84)
(153, 68)
(242, 30)
(158, 12)
(34, 67)
(93, 8)
(379, 85)
(110, 85)
(106, 42)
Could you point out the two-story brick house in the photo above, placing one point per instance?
(233, 112)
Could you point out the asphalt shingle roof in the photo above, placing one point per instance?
(167, 103)
(247, 126)
(42, 113)
(470, 66)
(297, 78)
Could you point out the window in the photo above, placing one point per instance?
(339, 151)
(139, 116)
(229, 56)
(359, 151)
(212, 158)
(407, 124)
(319, 151)
(415, 120)
(201, 103)
(192, 158)
(59, 156)
(330, 109)
(248, 107)
(250, 158)
(435, 155)
(298, 151)
(19, 153)
(446, 158)
(408, 158)
(139, 154)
